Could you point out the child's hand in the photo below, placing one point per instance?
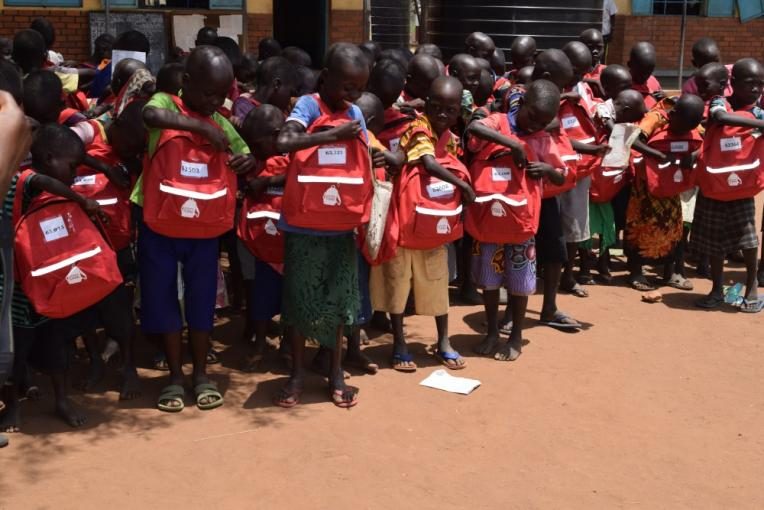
(519, 156)
(571, 96)
(215, 135)
(411, 107)
(257, 185)
(347, 131)
(241, 163)
(94, 209)
(378, 158)
(236, 121)
(537, 170)
(659, 95)
(602, 149)
(118, 176)
(468, 194)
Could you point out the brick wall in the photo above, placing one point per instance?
(259, 26)
(346, 26)
(736, 40)
(72, 32)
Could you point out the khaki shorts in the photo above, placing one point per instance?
(423, 271)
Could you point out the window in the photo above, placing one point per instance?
(43, 3)
(675, 7)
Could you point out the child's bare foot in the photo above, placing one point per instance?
(96, 372)
(289, 395)
(510, 351)
(488, 345)
(131, 385)
(10, 418)
(67, 412)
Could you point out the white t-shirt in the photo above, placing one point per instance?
(608, 9)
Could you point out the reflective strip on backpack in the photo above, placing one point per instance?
(193, 194)
(66, 262)
(587, 140)
(439, 212)
(263, 214)
(329, 179)
(108, 201)
(502, 198)
(612, 173)
(733, 168)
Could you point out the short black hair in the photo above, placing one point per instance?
(45, 29)
(386, 80)
(28, 49)
(42, 96)
(307, 80)
(429, 49)
(268, 47)
(342, 53)
(54, 140)
(132, 40)
(544, 94)
(206, 35)
(170, 78)
(297, 56)
(261, 120)
(397, 54)
(10, 80)
(230, 48)
(275, 67)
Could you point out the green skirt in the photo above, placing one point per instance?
(320, 285)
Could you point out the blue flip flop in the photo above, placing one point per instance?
(751, 306)
(445, 357)
(399, 358)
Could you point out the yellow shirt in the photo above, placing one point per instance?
(416, 145)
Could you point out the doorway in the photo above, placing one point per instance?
(303, 24)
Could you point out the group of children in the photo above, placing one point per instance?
(494, 168)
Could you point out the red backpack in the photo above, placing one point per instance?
(62, 261)
(328, 187)
(670, 179)
(578, 126)
(430, 210)
(259, 217)
(396, 123)
(731, 162)
(114, 202)
(188, 189)
(554, 149)
(508, 204)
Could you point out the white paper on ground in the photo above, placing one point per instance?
(621, 139)
(442, 380)
(118, 55)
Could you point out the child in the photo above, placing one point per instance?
(429, 49)
(275, 84)
(654, 217)
(39, 341)
(206, 83)
(206, 36)
(479, 45)
(299, 57)
(614, 80)
(593, 40)
(704, 51)
(170, 78)
(641, 65)
(511, 265)
(725, 218)
(522, 52)
(466, 69)
(320, 264)
(422, 71)
(711, 80)
(425, 270)
(268, 47)
(101, 55)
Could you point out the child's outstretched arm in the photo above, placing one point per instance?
(161, 118)
(116, 174)
(538, 170)
(258, 185)
(641, 146)
(58, 188)
(586, 148)
(480, 130)
(436, 170)
(293, 137)
(731, 119)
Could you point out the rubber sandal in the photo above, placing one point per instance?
(212, 357)
(172, 393)
(399, 358)
(576, 290)
(710, 302)
(679, 282)
(160, 363)
(445, 357)
(364, 364)
(641, 284)
(336, 397)
(586, 280)
(752, 306)
(561, 321)
(287, 399)
(505, 328)
(3, 440)
(207, 389)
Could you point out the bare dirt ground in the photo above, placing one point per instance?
(653, 406)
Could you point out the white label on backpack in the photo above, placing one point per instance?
(332, 197)
(75, 276)
(680, 146)
(678, 176)
(394, 144)
(497, 209)
(270, 228)
(501, 174)
(731, 144)
(189, 209)
(443, 226)
(570, 122)
(332, 156)
(84, 180)
(193, 170)
(54, 228)
(734, 180)
(440, 189)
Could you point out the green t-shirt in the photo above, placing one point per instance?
(164, 101)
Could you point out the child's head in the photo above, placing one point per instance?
(268, 47)
(46, 30)
(614, 79)
(297, 56)
(540, 106)
(127, 132)
(371, 48)
(747, 80)
(386, 81)
(479, 45)
(704, 51)
(29, 50)
(711, 80)
(429, 49)
(629, 106)
(10, 80)
(522, 51)
(485, 88)
(276, 82)
(373, 112)
(207, 80)
(398, 54)
(580, 58)
(102, 47)
(230, 48)
(466, 69)
(42, 96)
(6, 48)
(593, 40)
(525, 75)
(170, 78)
(123, 71)
(555, 66)
(642, 62)
(307, 80)
(57, 151)
(498, 62)
(686, 114)
(132, 40)
(246, 71)
(344, 78)
(206, 36)
(443, 104)
(422, 71)
(261, 128)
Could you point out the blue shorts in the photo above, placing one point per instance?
(265, 293)
(158, 258)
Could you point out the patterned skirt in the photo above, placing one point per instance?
(720, 228)
(653, 225)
